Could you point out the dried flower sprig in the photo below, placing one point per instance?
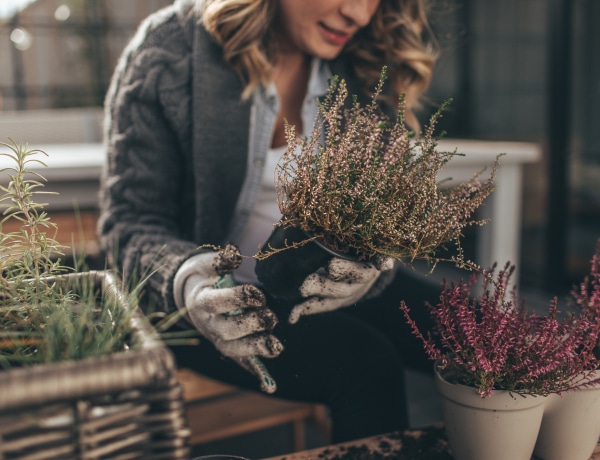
(495, 343)
(370, 185)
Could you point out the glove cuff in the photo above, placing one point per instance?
(194, 265)
(383, 281)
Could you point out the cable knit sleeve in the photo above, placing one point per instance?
(147, 136)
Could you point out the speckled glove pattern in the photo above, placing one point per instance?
(235, 319)
(340, 284)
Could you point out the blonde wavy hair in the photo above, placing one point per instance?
(398, 37)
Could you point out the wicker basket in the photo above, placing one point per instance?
(127, 405)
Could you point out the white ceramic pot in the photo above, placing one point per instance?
(503, 426)
(571, 425)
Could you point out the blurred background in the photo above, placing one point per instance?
(517, 70)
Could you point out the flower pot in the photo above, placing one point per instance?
(282, 273)
(500, 427)
(571, 425)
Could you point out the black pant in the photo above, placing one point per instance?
(350, 360)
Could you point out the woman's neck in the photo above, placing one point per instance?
(290, 75)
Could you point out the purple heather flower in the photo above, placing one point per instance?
(494, 343)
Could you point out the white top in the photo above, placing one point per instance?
(265, 213)
(260, 223)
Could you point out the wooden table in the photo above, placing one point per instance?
(428, 443)
(425, 444)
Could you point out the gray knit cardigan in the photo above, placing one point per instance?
(176, 133)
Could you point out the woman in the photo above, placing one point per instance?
(194, 126)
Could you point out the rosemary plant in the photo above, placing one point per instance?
(43, 318)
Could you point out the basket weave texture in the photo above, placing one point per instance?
(127, 405)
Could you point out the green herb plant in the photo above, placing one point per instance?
(43, 318)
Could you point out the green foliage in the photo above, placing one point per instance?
(46, 313)
(30, 252)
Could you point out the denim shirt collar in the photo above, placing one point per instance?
(318, 83)
(263, 115)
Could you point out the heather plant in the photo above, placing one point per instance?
(586, 296)
(370, 186)
(494, 343)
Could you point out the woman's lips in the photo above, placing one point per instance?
(333, 36)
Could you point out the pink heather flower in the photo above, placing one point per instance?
(494, 343)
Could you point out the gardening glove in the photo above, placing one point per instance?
(234, 318)
(340, 284)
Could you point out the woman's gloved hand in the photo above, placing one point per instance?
(235, 319)
(340, 284)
